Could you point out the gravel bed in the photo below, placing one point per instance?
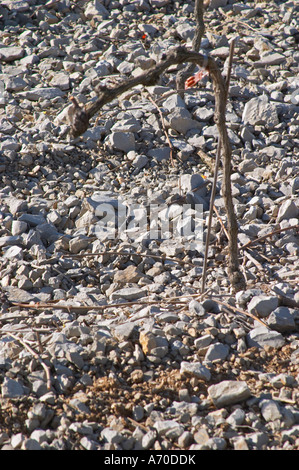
(105, 340)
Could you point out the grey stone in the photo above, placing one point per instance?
(8, 54)
(272, 58)
(236, 418)
(47, 93)
(180, 120)
(228, 392)
(124, 141)
(214, 4)
(186, 31)
(11, 388)
(13, 252)
(216, 443)
(260, 111)
(270, 410)
(287, 210)
(203, 341)
(282, 320)
(112, 436)
(148, 439)
(96, 9)
(31, 444)
(128, 293)
(124, 331)
(169, 428)
(17, 440)
(262, 336)
(194, 182)
(79, 243)
(195, 369)
(262, 305)
(216, 352)
(197, 308)
(257, 440)
(160, 154)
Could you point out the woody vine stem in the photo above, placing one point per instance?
(80, 118)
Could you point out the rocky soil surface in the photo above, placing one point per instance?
(106, 341)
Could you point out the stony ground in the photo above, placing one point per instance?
(108, 343)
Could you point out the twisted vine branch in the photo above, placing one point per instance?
(80, 122)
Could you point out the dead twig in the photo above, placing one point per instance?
(125, 253)
(36, 356)
(274, 232)
(243, 312)
(164, 128)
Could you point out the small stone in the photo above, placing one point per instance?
(148, 439)
(18, 227)
(11, 388)
(217, 352)
(180, 120)
(282, 320)
(272, 58)
(13, 252)
(31, 444)
(270, 410)
(236, 418)
(262, 336)
(124, 331)
(288, 210)
(47, 93)
(260, 111)
(124, 141)
(185, 439)
(8, 54)
(203, 341)
(128, 294)
(196, 308)
(169, 428)
(17, 440)
(152, 344)
(195, 369)
(262, 305)
(130, 274)
(239, 443)
(138, 413)
(228, 392)
(78, 243)
(201, 436)
(96, 9)
(111, 436)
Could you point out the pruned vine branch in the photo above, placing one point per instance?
(80, 118)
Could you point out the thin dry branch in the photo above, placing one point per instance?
(126, 253)
(164, 128)
(36, 356)
(274, 232)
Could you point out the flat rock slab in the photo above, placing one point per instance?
(47, 93)
(8, 54)
(128, 293)
(228, 392)
(262, 337)
(15, 294)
